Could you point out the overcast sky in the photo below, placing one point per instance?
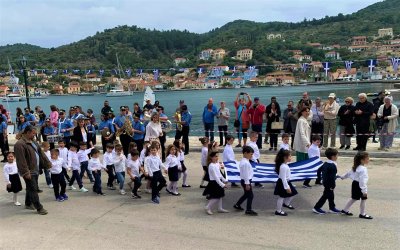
(51, 23)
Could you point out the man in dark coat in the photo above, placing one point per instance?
(362, 115)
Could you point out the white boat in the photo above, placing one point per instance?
(85, 94)
(12, 98)
(118, 92)
(149, 95)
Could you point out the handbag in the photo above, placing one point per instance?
(236, 123)
(277, 125)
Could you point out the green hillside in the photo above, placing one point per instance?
(138, 47)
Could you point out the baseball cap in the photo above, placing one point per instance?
(256, 99)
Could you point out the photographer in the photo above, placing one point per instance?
(256, 114)
(242, 121)
(209, 113)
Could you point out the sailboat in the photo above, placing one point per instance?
(118, 90)
(13, 83)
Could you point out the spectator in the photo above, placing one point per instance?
(290, 121)
(377, 102)
(317, 122)
(387, 117)
(346, 116)
(256, 115)
(242, 117)
(54, 116)
(273, 116)
(363, 111)
(268, 110)
(209, 113)
(223, 121)
(302, 135)
(186, 119)
(331, 109)
(106, 108)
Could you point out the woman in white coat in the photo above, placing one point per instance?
(387, 123)
(302, 135)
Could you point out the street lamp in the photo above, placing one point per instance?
(24, 62)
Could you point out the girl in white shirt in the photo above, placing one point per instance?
(11, 177)
(228, 154)
(204, 154)
(119, 162)
(285, 142)
(215, 188)
(180, 147)
(359, 174)
(57, 177)
(283, 188)
(173, 165)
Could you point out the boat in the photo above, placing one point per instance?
(12, 98)
(149, 95)
(86, 94)
(37, 95)
(119, 89)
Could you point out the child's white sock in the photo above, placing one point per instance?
(349, 204)
(288, 201)
(362, 207)
(184, 178)
(211, 204)
(279, 204)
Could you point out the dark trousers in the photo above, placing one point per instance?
(32, 196)
(47, 175)
(184, 134)
(318, 180)
(137, 182)
(362, 137)
(163, 139)
(273, 140)
(65, 173)
(157, 183)
(223, 132)
(317, 128)
(84, 168)
(125, 139)
(104, 143)
(209, 131)
(248, 195)
(75, 175)
(67, 141)
(111, 176)
(139, 144)
(97, 181)
(58, 181)
(326, 195)
(258, 128)
(3, 146)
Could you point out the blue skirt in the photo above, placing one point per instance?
(281, 191)
(173, 174)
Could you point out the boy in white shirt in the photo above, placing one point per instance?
(285, 142)
(133, 168)
(152, 168)
(108, 163)
(313, 151)
(95, 167)
(119, 162)
(63, 154)
(228, 154)
(57, 178)
(84, 160)
(256, 155)
(74, 164)
(46, 150)
(246, 174)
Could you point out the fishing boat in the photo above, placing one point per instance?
(118, 90)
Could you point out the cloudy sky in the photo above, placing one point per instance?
(51, 23)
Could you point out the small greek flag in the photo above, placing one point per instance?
(88, 71)
(264, 172)
(44, 71)
(200, 70)
(371, 65)
(76, 71)
(101, 72)
(251, 68)
(114, 72)
(55, 72)
(304, 67)
(65, 71)
(395, 63)
(348, 64)
(139, 72)
(327, 66)
(155, 72)
(128, 72)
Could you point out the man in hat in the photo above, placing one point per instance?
(65, 127)
(148, 105)
(106, 108)
(29, 117)
(331, 109)
(186, 119)
(256, 114)
(119, 121)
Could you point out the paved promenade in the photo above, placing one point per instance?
(88, 221)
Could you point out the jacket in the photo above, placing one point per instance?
(329, 172)
(392, 118)
(302, 135)
(77, 134)
(290, 123)
(256, 114)
(26, 157)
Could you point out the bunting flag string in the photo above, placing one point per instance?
(371, 65)
(395, 63)
(348, 65)
(304, 67)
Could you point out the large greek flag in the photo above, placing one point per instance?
(263, 172)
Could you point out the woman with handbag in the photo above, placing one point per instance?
(242, 120)
(273, 127)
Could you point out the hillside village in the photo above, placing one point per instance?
(213, 74)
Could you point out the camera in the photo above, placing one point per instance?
(242, 93)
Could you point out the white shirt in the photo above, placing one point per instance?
(215, 174)
(47, 153)
(228, 154)
(9, 169)
(181, 156)
(108, 159)
(254, 146)
(73, 161)
(84, 136)
(246, 170)
(134, 166)
(314, 151)
(153, 163)
(172, 161)
(56, 165)
(95, 164)
(83, 154)
(153, 130)
(63, 154)
(204, 155)
(284, 146)
(119, 163)
(284, 175)
(361, 175)
(142, 156)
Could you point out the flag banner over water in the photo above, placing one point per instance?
(264, 172)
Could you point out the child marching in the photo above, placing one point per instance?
(181, 155)
(204, 154)
(95, 166)
(57, 177)
(11, 177)
(152, 168)
(133, 167)
(173, 165)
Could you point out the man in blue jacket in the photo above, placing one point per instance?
(209, 113)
